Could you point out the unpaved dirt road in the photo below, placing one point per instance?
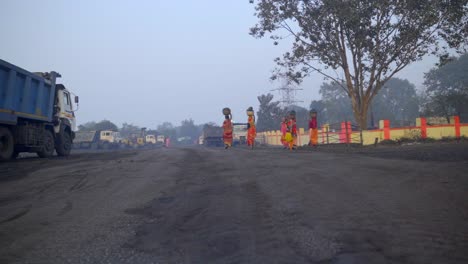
(198, 205)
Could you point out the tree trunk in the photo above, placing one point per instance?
(360, 104)
(360, 114)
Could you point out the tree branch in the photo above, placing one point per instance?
(339, 82)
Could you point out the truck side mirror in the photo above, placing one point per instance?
(77, 99)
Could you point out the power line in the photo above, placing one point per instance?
(288, 94)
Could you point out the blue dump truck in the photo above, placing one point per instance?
(36, 114)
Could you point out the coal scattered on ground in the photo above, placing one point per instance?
(210, 205)
(409, 151)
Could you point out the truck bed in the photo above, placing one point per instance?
(213, 136)
(24, 94)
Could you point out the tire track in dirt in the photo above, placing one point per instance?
(218, 213)
(18, 214)
(66, 208)
(284, 236)
(62, 212)
(38, 187)
(193, 222)
(240, 206)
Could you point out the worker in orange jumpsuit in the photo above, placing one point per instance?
(284, 129)
(292, 129)
(313, 128)
(227, 131)
(251, 130)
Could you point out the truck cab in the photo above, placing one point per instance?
(109, 139)
(107, 136)
(64, 121)
(150, 139)
(65, 108)
(117, 137)
(161, 139)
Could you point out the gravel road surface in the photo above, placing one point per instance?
(202, 205)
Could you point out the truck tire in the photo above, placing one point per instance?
(64, 144)
(6, 144)
(48, 148)
(15, 155)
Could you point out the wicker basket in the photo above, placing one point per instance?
(226, 111)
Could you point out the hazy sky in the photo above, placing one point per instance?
(146, 62)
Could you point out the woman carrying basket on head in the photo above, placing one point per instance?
(227, 128)
(251, 130)
(284, 130)
(292, 129)
(313, 128)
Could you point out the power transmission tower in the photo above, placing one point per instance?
(288, 93)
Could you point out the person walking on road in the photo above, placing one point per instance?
(227, 128)
(251, 130)
(284, 129)
(313, 128)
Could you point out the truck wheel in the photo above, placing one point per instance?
(6, 144)
(15, 155)
(48, 148)
(64, 144)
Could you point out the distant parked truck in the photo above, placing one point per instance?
(212, 136)
(151, 139)
(85, 140)
(239, 133)
(161, 139)
(104, 139)
(36, 113)
(109, 139)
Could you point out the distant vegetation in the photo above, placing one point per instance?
(101, 125)
(446, 91)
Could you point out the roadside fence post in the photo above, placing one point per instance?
(346, 135)
(328, 135)
(457, 127)
(323, 134)
(360, 137)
